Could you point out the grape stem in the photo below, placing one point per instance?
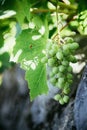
(73, 18)
(41, 10)
(64, 5)
(57, 17)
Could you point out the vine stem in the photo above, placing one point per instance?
(57, 17)
(63, 5)
(49, 10)
(74, 17)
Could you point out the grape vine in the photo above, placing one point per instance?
(38, 34)
(59, 54)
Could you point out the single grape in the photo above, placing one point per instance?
(62, 68)
(59, 74)
(69, 69)
(57, 97)
(44, 59)
(49, 45)
(51, 61)
(55, 47)
(51, 52)
(55, 70)
(66, 98)
(51, 74)
(69, 40)
(53, 80)
(67, 85)
(59, 55)
(74, 46)
(65, 47)
(70, 81)
(61, 80)
(61, 101)
(69, 76)
(66, 52)
(65, 63)
(60, 85)
(72, 59)
(66, 90)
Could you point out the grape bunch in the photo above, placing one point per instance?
(82, 22)
(58, 57)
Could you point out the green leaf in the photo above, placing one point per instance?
(22, 10)
(30, 58)
(36, 20)
(21, 7)
(4, 61)
(82, 5)
(37, 81)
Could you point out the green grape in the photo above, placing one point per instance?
(59, 55)
(58, 75)
(61, 101)
(55, 70)
(52, 52)
(69, 76)
(55, 47)
(44, 59)
(59, 58)
(65, 47)
(57, 97)
(61, 80)
(70, 46)
(83, 15)
(67, 84)
(70, 81)
(66, 52)
(69, 69)
(49, 45)
(69, 40)
(53, 80)
(66, 90)
(66, 98)
(72, 59)
(51, 74)
(62, 68)
(73, 46)
(51, 61)
(65, 63)
(60, 85)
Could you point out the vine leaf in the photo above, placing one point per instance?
(4, 61)
(22, 9)
(30, 53)
(37, 81)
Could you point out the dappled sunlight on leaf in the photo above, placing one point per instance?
(16, 57)
(42, 30)
(7, 14)
(31, 45)
(35, 37)
(37, 81)
(31, 64)
(31, 25)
